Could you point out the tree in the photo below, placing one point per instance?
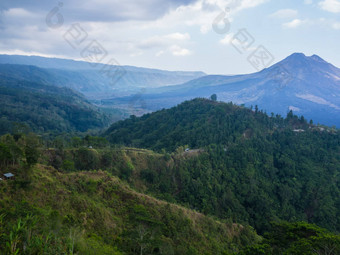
(213, 97)
(32, 151)
(86, 159)
(5, 155)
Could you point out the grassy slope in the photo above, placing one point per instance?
(107, 213)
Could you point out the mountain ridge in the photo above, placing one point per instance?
(102, 80)
(231, 151)
(309, 85)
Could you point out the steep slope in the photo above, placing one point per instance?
(307, 85)
(45, 211)
(94, 83)
(45, 108)
(241, 164)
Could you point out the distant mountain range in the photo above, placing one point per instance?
(98, 81)
(309, 86)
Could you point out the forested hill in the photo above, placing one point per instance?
(198, 123)
(43, 108)
(250, 167)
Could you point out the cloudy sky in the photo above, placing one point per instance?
(214, 36)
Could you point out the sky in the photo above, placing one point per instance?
(213, 36)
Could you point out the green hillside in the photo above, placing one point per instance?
(44, 108)
(48, 211)
(197, 123)
(59, 202)
(242, 164)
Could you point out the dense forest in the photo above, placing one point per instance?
(43, 108)
(198, 123)
(48, 210)
(201, 178)
(60, 203)
(247, 166)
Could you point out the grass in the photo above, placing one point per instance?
(107, 214)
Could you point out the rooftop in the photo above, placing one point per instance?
(9, 175)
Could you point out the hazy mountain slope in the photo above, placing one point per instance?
(89, 80)
(308, 85)
(45, 108)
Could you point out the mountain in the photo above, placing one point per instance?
(44, 108)
(48, 210)
(307, 85)
(45, 210)
(97, 84)
(232, 162)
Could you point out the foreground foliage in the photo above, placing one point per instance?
(44, 211)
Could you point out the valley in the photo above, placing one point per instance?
(115, 176)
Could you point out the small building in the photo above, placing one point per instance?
(187, 149)
(9, 176)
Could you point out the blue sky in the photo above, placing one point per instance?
(173, 35)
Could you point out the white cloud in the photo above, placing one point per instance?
(19, 13)
(244, 4)
(330, 5)
(127, 29)
(202, 13)
(231, 39)
(294, 23)
(204, 29)
(285, 14)
(162, 41)
(178, 36)
(159, 53)
(178, 51)
(336, 25)
(227, 39)
(167, 43)
(308, 2)
(100, 10)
